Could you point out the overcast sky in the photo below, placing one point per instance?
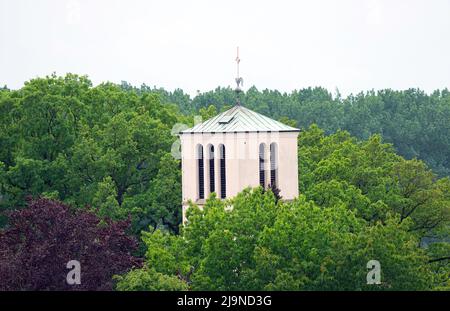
(352, 45)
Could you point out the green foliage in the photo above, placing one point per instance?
(440, 258)
(414, 122)
(368, 177)
(148, 279)
(253, 243)
(360, 201)
(97, 146)
(208, 113)
(108, 147)
(105, 200)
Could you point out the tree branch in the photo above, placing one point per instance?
(438, 259)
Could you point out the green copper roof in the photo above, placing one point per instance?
(240, 119)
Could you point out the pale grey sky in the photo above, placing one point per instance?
(352, 45)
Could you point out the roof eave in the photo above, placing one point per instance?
(232, 132)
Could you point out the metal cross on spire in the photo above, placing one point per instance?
(239, 80)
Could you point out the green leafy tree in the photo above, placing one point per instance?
(370, 178)
(253, 243)
(97, 146)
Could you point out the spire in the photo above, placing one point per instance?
(239, 80)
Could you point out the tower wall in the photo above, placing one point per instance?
(242, 162)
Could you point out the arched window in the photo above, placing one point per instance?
(212, 185)
(262, 172)
(223, 179)
(273, 165)
(201, 176)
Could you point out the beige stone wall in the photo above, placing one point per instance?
(242, 162)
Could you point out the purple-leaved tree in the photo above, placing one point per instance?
(41, 239)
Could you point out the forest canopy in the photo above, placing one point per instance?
(373, 177)
(416, 123)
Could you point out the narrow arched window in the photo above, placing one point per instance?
(201, 176)
(273, 165)
(262, 173)
(223, 179)
(212, 186)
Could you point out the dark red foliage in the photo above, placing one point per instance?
(42, 238)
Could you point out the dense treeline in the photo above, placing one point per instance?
(417, 124)
(99, 146)
(359, 201)
(105, 151)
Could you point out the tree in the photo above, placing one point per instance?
(370, 178)
(147, 279)
(159, 206)
(107, 149)
(97, 146)
(253, 243)
(43, 237)
(414, 122)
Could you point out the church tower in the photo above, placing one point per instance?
(236, 149)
